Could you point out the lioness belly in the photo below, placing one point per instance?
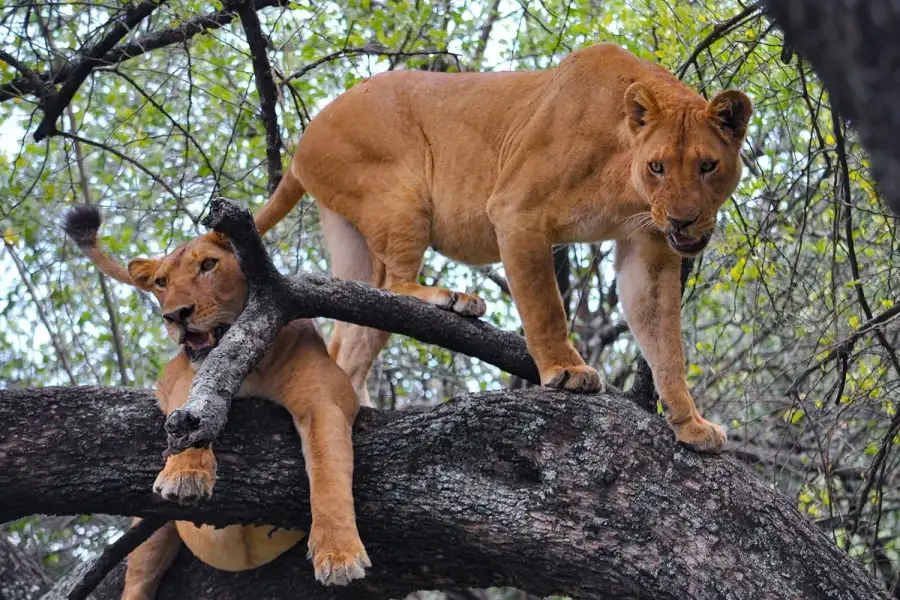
(463, 232)
(237, 547)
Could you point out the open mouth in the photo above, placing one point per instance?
(687, 244)
(198, 344)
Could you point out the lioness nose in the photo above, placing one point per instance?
(682, 223)
(179, 315)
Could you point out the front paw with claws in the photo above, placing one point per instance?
(188, 477)
(579, 378)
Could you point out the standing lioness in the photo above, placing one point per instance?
(500, 166)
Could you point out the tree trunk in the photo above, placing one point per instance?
(586, 496)
(854, 48)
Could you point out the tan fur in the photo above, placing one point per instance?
(501, 166)
(297, 373)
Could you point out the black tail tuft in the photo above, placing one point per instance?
(82, 223)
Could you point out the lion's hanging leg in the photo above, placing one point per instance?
(391, 260)
(649, 286)
(189, 476)
(148, 562)
(322, 402)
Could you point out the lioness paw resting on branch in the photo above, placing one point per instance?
(489, 167)
(202, 291)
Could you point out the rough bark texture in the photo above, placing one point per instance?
(854, 48)
(545, 491)
(21, 576)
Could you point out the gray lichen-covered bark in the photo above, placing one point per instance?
(854, 48)
(544, 491)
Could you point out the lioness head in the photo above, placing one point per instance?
(686, 159)
(199, 285)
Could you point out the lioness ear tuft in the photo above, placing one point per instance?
(640, 106)
(141, 271)
(730, 112)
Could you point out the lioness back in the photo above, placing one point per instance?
(436, 143)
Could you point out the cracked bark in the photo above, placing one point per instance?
(544, 491)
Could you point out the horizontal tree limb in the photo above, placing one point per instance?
(545, 491)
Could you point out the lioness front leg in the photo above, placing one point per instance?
(528, 261)
(322, 402)
(189, 476)
(650, 286)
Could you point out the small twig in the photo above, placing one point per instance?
(84, 180)
(719, 30)
(371, 50)
(114, 554)
(91, 58)
(265, 86)
(42, 314)
(178, 199)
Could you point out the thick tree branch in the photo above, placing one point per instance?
(91, 59)
(854, 49)
(147, 43)
(545, 491)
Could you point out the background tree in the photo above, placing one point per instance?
(778, 311)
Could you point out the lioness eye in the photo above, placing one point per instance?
(160, 282)
(208, 264)
(656, 168)
(708, 166)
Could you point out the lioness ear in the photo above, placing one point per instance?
(141, 271)
(640, 106)
(730, 112)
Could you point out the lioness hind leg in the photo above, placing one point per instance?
(148, 562)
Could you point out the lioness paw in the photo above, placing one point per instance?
(580, 378)
(187, 477)
(341, 568)
(467, 305)
(337, 561)
(701, 435)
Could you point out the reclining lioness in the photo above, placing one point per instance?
(202, 291)
(487, 167)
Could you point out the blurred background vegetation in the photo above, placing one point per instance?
(775, 313)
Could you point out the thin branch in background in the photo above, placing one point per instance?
(719, 31)
(265, 86)
(178, 199)
(42, 314)
(147, 43)
(118, 346)
(485, 35)
(369, 50)
(114, 554)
